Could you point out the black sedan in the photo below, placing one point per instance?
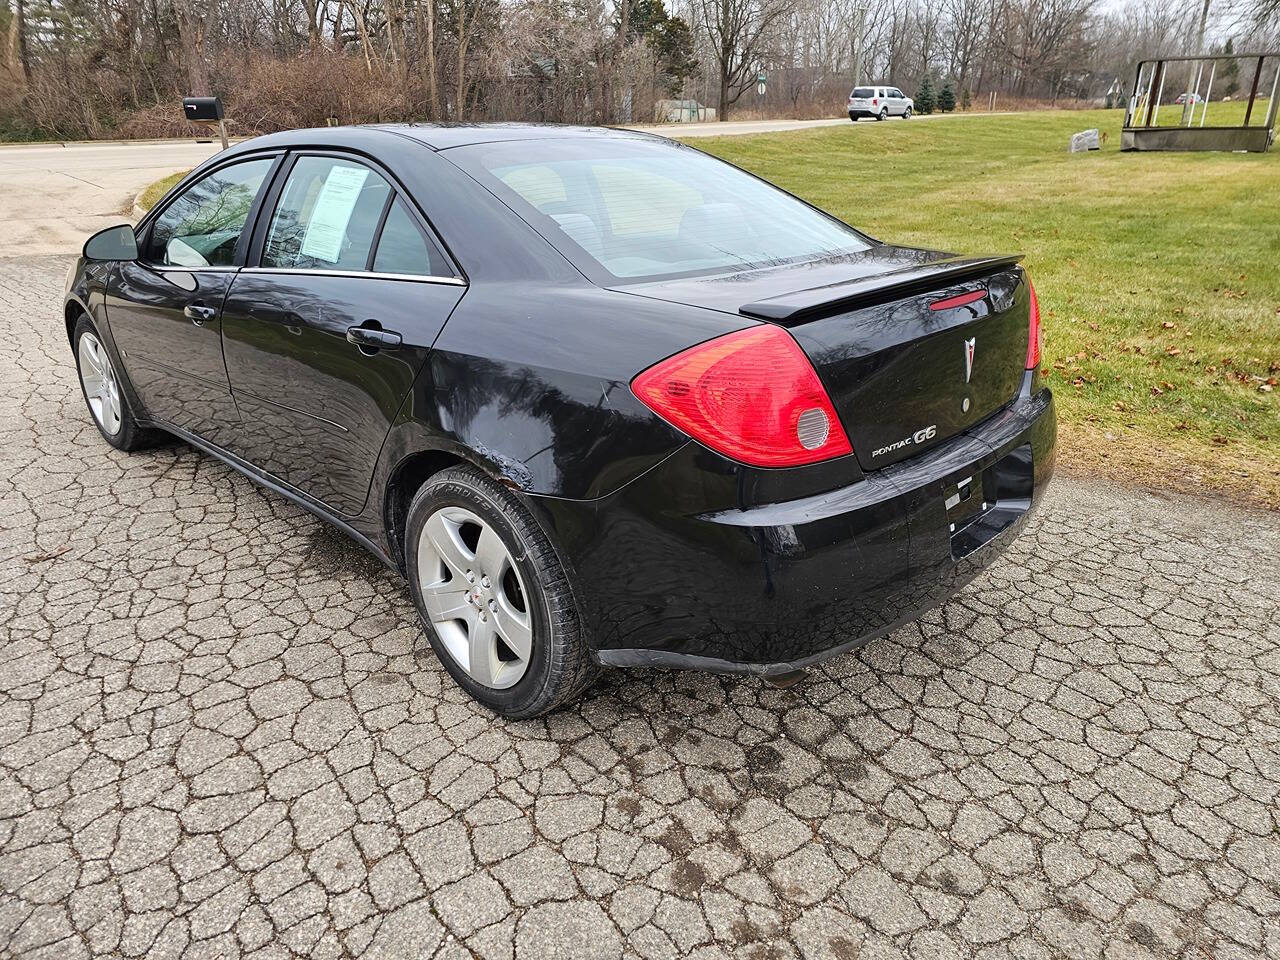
(602, 399)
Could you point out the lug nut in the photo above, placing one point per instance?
(471, 577)
(493, 606)
(485, 583)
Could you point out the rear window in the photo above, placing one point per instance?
(862, 92)
(641, 210)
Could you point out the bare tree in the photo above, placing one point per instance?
(738, 31)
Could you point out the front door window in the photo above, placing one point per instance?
(202, 227)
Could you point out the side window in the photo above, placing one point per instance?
(327, 216)
(203, 225)
(404, 248)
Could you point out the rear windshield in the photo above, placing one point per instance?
(864, 91)
(642, 210)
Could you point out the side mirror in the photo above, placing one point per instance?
(113, 243)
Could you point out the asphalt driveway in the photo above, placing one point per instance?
(222, 734)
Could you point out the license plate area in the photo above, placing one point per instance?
(986, 503)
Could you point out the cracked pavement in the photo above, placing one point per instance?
(222, 734)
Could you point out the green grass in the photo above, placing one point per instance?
(1157, 272)
(153, 193)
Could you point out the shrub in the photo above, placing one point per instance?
(925, 99)
(947, 98)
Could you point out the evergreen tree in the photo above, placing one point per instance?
(668, 36)
(1231, 72)
(947, 97)
(925, 98)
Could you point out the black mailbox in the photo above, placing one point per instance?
(202, 108)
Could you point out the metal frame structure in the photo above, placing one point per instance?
(1141, 131)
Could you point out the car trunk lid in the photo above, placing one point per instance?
(913, 347)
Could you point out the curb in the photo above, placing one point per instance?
(136, 211)
(162, 141)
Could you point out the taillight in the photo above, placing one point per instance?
(960, 300)
(751, 395)
(874, 101)
(1033, 343)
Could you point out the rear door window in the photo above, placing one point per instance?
(404, 248)
(327, 216)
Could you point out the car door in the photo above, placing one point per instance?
(324, 333)
(899, 102)
(165, 308)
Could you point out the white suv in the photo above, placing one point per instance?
(879, 102)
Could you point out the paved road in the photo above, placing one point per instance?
(222, 732)
(55, 196)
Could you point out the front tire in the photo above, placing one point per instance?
(493, 596)
(906, 114)
(103, 392)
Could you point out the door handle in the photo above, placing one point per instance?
(371, 338)
(198, 313)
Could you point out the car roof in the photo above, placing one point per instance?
(442, 136)
(435, 136)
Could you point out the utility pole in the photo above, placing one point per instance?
(1188, 104)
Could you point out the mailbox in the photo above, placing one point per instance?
(202, 108)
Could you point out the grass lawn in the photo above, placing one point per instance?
(153, 193)
(1158, 274)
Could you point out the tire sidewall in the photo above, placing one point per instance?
(906, 114)
(121, 439)
(446, 491)
(883, 114)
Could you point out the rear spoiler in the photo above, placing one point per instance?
(918, 278)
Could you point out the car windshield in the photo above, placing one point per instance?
(864, 92)
(644, 210)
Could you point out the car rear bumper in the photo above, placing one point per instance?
(777, 587)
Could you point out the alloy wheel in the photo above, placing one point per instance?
(475, 597)
(101, 387)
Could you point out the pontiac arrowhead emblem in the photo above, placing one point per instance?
(968, 357)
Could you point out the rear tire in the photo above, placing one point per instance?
(884, 114)
(853, 117)
(103, 391)
(493, 596)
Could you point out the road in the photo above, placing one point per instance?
(56, 195)
(221, 731)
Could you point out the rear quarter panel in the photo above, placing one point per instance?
(533, 382)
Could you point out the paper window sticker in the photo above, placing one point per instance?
(332, 212)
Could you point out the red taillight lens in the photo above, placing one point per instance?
(1033, 344)
(960, 300)
(752, 395)
(874, 101)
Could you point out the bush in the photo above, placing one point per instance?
(947, 98)
(925, 99)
